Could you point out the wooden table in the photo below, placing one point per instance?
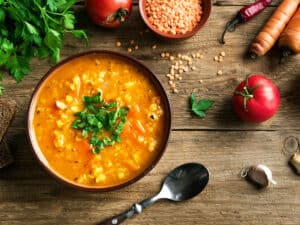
(28, 195)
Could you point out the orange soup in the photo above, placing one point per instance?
(70, 153)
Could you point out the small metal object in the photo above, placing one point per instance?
(184, 182)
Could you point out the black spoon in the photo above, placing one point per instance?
(184, 182)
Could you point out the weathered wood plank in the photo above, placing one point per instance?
(29, 195)
(219, 88)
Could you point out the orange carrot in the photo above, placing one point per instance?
(289, 40)
(273, 28)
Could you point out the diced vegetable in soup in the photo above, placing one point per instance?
(102, 142)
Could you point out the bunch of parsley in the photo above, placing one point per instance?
(33, 28)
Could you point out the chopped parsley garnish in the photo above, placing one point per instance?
(100, 121)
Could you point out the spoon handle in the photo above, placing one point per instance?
(135, 209)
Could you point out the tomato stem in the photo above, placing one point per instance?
(120, 15)
(247, 92)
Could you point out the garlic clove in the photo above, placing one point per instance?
(260, 175)
(295, 162)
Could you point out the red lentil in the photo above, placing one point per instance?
(180, 64)
(173, 16)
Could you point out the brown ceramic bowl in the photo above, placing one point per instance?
(33, 139)
(206, 7)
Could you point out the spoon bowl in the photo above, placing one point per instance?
(182, 183)
(185, 182)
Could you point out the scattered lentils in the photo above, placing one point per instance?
(220, 59)
(180, 64)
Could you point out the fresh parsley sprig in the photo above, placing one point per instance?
(199, 107)
(100, 121)
(33, 28)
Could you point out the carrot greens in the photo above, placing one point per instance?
(100, 121)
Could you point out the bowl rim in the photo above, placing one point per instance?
(157, 85)
(201, 23)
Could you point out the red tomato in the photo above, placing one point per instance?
(108, 13)
(256, 99)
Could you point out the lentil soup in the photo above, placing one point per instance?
(67, 152)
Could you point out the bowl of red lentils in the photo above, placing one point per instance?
(175, 19)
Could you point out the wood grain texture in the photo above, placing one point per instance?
(28, 195)
(228, 199)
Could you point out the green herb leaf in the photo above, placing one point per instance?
(52, 5)
(93, 99)
(116, 137)
(111, 105)
(84, 133)
(123, 111)
(69, 20)
(2, 14)
(55, 56)
(108, 142)
(79, 34)
(6, 50)
(120, 126)
(31, 29)
(204, 104)
(43, 52)
(199, 107)
(53, 39)
(18, 66)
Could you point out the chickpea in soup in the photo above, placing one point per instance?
(77, 143)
